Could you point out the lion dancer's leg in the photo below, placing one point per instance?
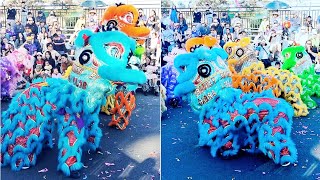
(93, 133)
(107, 108)
(217, 130)
(25, 127)
(71, 139)
(292, 93)
(274, 133)
(146, 87)
(124, 105)
(317, 88)
(306, 98)
(316, 85)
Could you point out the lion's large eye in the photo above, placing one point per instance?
(128, 18)
(204, 70)
(195, 47)
(240, 52)
(85, 57)
(229, 50)
(299, 55)
(114, 49)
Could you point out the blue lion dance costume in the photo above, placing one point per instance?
(28, 124)
(169, 81)
(231, 120)
(169, 78)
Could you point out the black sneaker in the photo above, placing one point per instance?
(75, 174)
(99, 150)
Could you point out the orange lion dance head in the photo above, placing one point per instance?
(125, 17)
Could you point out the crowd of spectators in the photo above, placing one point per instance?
(41, 36)
(52, 52)
(150, 61)
(273, 34)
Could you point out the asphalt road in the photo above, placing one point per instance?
(182, 159)
(130, 154)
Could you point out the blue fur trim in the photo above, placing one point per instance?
(127, 75)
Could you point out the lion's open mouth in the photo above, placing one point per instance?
(115, 50)
(197, 80)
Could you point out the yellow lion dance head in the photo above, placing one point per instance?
(241, 54)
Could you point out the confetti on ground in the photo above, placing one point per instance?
(237, 170)
(45, 177)
(85, 166)
(189, 177)
(303, 132)
(263, 172)
(85, 177)
(109, 164)
(43, 170)
(177, 159)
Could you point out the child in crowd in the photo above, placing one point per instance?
(38, 60)
(277, 65)
(152, 77)
(195, 32)
(38, 72)
(56, 73)
(47, 69)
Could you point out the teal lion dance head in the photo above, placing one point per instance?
(202, 74)
(109, 54)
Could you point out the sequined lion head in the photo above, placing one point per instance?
(296, 59)
(201, 75)
(106, 55)
(240, 54)
(125, 18)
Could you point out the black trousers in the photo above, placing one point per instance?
(266, 62)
